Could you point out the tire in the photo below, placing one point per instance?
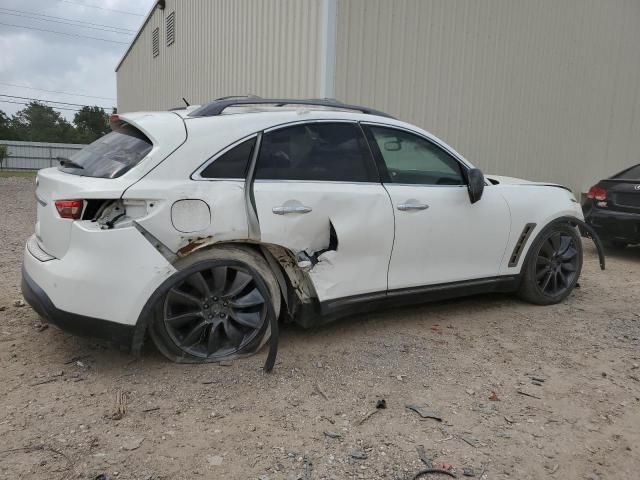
(553, 265)
(216, 308)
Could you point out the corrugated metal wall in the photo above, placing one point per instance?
(36, 155)
(545, 90)
(224, 47)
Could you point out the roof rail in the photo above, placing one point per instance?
(216, 107)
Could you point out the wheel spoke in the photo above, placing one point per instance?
(233, 333)
(178, 321)
(239, 283)
(216, 340)
(547, 248)
(183, 298)
(568, 254)
(569, 267)
(555, 242)
(542, 273)
(248, 319)
(554, 281)
(219, 279)
(198, 281)
(194, 334)
(565, 243)
(251, 299)
(562, 278)
(540, 260)
(544, 285)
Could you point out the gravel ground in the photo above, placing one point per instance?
(75, 408)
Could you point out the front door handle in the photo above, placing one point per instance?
(282, 210)
(412, 206)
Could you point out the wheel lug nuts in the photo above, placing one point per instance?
(222, 315)
(215, 299)
(225, 303)
(206, 305)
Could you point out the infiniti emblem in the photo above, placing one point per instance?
(637, 187)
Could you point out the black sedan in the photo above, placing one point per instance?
(613, 208)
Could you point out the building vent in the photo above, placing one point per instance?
(155, 39)
(171, 28)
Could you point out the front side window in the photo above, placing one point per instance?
(414, 160)
(231, 164)
(316, 151)
(110, 156)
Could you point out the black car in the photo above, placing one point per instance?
(612, 208)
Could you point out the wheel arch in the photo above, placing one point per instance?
(583, 228)
(295, 285)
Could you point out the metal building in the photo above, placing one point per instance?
(545, 90)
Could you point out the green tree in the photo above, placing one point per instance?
(91, 123)
(6, 132)
(41, 123)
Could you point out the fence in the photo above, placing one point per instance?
(36, 155)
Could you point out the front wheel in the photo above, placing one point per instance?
(553, 265)
(217, 309)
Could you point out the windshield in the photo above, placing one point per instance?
(110, 156)
(632, 174)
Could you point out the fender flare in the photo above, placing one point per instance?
(586, 231)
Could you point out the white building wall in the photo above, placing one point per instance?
(224, 47)
(546, 90)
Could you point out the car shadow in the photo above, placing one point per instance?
(628, 253)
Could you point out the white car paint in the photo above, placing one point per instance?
(110, 274)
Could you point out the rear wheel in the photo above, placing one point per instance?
(217, 309)
(553, 265)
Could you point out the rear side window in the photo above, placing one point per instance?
(110, 156)
(316, 151)
(632, 174)
(231, 164)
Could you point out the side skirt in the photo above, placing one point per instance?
(324, 312)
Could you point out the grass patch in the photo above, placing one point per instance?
(17, 173)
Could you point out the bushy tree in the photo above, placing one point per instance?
(91, 123)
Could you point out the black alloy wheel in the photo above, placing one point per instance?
(215, 312)
(557, 264)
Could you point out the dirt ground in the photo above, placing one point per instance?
(472, 362)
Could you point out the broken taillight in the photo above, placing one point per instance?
(69, 208)
(597, 193)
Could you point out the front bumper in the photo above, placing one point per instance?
(612, 225)
(116, 333)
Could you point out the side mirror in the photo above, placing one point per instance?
(475, 184)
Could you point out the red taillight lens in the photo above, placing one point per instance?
(597, 193)
(69, 208)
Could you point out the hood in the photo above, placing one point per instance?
(501, 180)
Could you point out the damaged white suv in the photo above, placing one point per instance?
(202, 227)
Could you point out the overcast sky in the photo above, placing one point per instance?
(65, 63)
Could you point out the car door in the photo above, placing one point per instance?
(440, 236)
(317, 192)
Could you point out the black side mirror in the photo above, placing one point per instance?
(475, 184)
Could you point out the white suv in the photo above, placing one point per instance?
(203, 226)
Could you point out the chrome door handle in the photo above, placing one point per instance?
(412, 206)
(286, 210)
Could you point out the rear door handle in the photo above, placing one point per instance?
(412, 206)
(282, 210)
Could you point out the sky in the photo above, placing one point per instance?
(71, 63)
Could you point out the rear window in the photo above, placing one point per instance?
(109, 156)
(632, 174)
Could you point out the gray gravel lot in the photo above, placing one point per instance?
(472, 362)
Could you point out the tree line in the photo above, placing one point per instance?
(41, 123)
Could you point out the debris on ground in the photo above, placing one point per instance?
(120, 409)
(526, 394)
(359, 455)
(368, 416)
(41, 327)
(132, 444)
(332, 434)
(427, 471)
(19, 303)
(468, 472)
(494, 397)
(422, 454)
(424, 412)
(317, 388)
(382, 403)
